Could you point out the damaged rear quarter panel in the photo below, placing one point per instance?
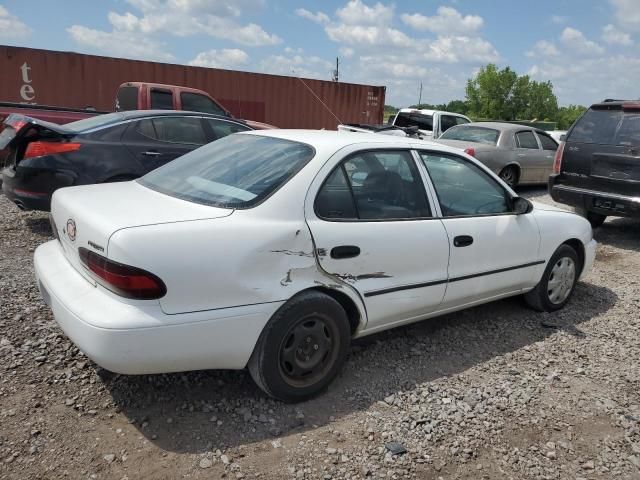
(242, 259)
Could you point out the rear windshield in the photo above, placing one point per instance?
(407, 119)
(94, 122)
(607, 127)
(238, 171)
(127, 99)
(487, 136)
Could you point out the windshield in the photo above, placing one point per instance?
(487, 136)
(238, 171)
(407, 119)
(94, 122)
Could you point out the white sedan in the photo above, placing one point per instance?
(271, 250)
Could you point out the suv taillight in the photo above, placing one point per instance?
(124, 280)
(40, 149)
(557, 162)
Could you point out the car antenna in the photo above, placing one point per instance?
(317, 97)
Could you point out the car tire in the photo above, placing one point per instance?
(558, 281)
(302, 348)
(510, 175)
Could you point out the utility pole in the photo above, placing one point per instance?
(420, 97)
(336, 72)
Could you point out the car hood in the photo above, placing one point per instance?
(87, 216)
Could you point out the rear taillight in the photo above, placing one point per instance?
(40, 149)
(124, 280)
(470, 151)
(557, 161)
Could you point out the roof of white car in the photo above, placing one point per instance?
(335, 139)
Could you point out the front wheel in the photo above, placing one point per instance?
(558, 281)
(302, 348)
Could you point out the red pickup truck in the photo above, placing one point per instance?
(130, 96)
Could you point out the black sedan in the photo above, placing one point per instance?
(114, 147)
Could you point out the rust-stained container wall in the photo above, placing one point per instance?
(76, 80)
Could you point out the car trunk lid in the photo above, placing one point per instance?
(20, 130)
(87, 216)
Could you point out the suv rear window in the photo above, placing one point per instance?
(629, 131)
(597, 125)
(238, 171)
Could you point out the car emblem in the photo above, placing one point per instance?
(71, 230)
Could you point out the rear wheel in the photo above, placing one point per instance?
(558, 281)
(509, 175)
(302, 348)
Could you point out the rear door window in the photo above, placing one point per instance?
(385, 185)
(196, 102)
(597, 125)
(161, 99)
(176, 130)
(527, 140)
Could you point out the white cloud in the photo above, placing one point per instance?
(609, 77)
(11, 27)
(460, 49)
(120, 43)
(367, 35)
(226, 58)
(576, 41)
(627, 13)
(357, 13)
(543, 48)
(215, 18)
(614, 36)
(448, 21)
(318, 17)
(347, 52)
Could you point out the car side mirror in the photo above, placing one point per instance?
(521, 206)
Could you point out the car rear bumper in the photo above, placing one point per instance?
(31, 189)
(605, 203)
(137, 337)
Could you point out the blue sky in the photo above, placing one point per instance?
(587, 48)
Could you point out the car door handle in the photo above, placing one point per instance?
(151, 153)
(462, 241)
(345, 251)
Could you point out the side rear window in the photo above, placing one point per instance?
(629, 131)
(221, 128)
(161, 100)
(446, 122)
(127, 99)
(547, 142)
(334, 199)
(195, 102)
(596, 126)
(526, 140)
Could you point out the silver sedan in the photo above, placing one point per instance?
(517, 153)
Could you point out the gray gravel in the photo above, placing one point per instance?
(497, 391)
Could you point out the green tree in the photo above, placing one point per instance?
(457, 106)
(503, 95)
(568, 115)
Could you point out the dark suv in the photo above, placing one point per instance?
(597, 167)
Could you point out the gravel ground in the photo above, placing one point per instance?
(494, 392)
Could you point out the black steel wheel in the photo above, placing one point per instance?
(302, 348)
(509, 175)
